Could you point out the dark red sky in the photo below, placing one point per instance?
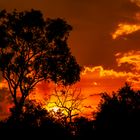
(109, 62)
(93, 22)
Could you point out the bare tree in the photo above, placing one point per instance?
(67, 100)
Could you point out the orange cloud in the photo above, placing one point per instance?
(97, 79)
(131, 57)
(101, 72)
(125, 29)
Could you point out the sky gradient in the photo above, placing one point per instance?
(105, 40)
(93, 23)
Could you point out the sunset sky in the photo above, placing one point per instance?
(105, 40)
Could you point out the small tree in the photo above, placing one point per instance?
(32, 50)
(68, 101)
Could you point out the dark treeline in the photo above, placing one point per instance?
(118, 115)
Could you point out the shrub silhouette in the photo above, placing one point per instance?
(83, 128)
(119, 113)
(35, 121)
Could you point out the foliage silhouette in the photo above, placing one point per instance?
(119, 113)
(35, 121)
(33, 49)
(30, 117)
(83, 128)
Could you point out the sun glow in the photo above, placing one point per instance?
(55, 109)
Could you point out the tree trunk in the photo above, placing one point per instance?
(70, 117)
(18, 109)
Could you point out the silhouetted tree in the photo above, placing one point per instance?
(31, 117)
(33, 49)
(68, 101)
(120, 112)
(35, 121)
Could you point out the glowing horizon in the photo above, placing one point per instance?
(94, 81)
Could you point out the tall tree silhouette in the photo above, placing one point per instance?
(33, 49)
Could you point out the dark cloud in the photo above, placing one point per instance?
(93, 22)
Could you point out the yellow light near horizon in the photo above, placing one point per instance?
(125, 29)
(52, 107)
(55, 109)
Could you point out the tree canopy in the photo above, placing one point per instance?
(33, 49)
(119, 113)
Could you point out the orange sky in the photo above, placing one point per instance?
(105, 40)
(93, 23)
